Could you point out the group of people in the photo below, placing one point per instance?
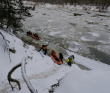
(53, 53)
(34, 34)
(29, 33)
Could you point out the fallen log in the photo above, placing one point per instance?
(23, 70)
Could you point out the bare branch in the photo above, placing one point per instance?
(4, 38)
(6, 46)
(10, 79)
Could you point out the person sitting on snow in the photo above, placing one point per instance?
(69, 60)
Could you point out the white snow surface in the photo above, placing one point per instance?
(43, 72)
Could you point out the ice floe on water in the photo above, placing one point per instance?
(87, 28)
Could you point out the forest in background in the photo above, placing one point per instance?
(103, 3)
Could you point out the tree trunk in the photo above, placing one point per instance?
(11, 79)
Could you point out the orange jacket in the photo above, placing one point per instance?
(44, 47)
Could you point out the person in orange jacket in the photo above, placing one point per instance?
(53, 53)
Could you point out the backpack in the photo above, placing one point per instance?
(71, 57)
(67, 60)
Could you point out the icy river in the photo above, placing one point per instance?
(86, 33)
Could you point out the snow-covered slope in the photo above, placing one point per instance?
(43, 72)
(37, 68)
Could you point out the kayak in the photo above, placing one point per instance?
(56, 59)
(34, 37)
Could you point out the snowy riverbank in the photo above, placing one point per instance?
(43, 72)
(72, 32)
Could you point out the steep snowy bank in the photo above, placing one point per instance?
(43, 72)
